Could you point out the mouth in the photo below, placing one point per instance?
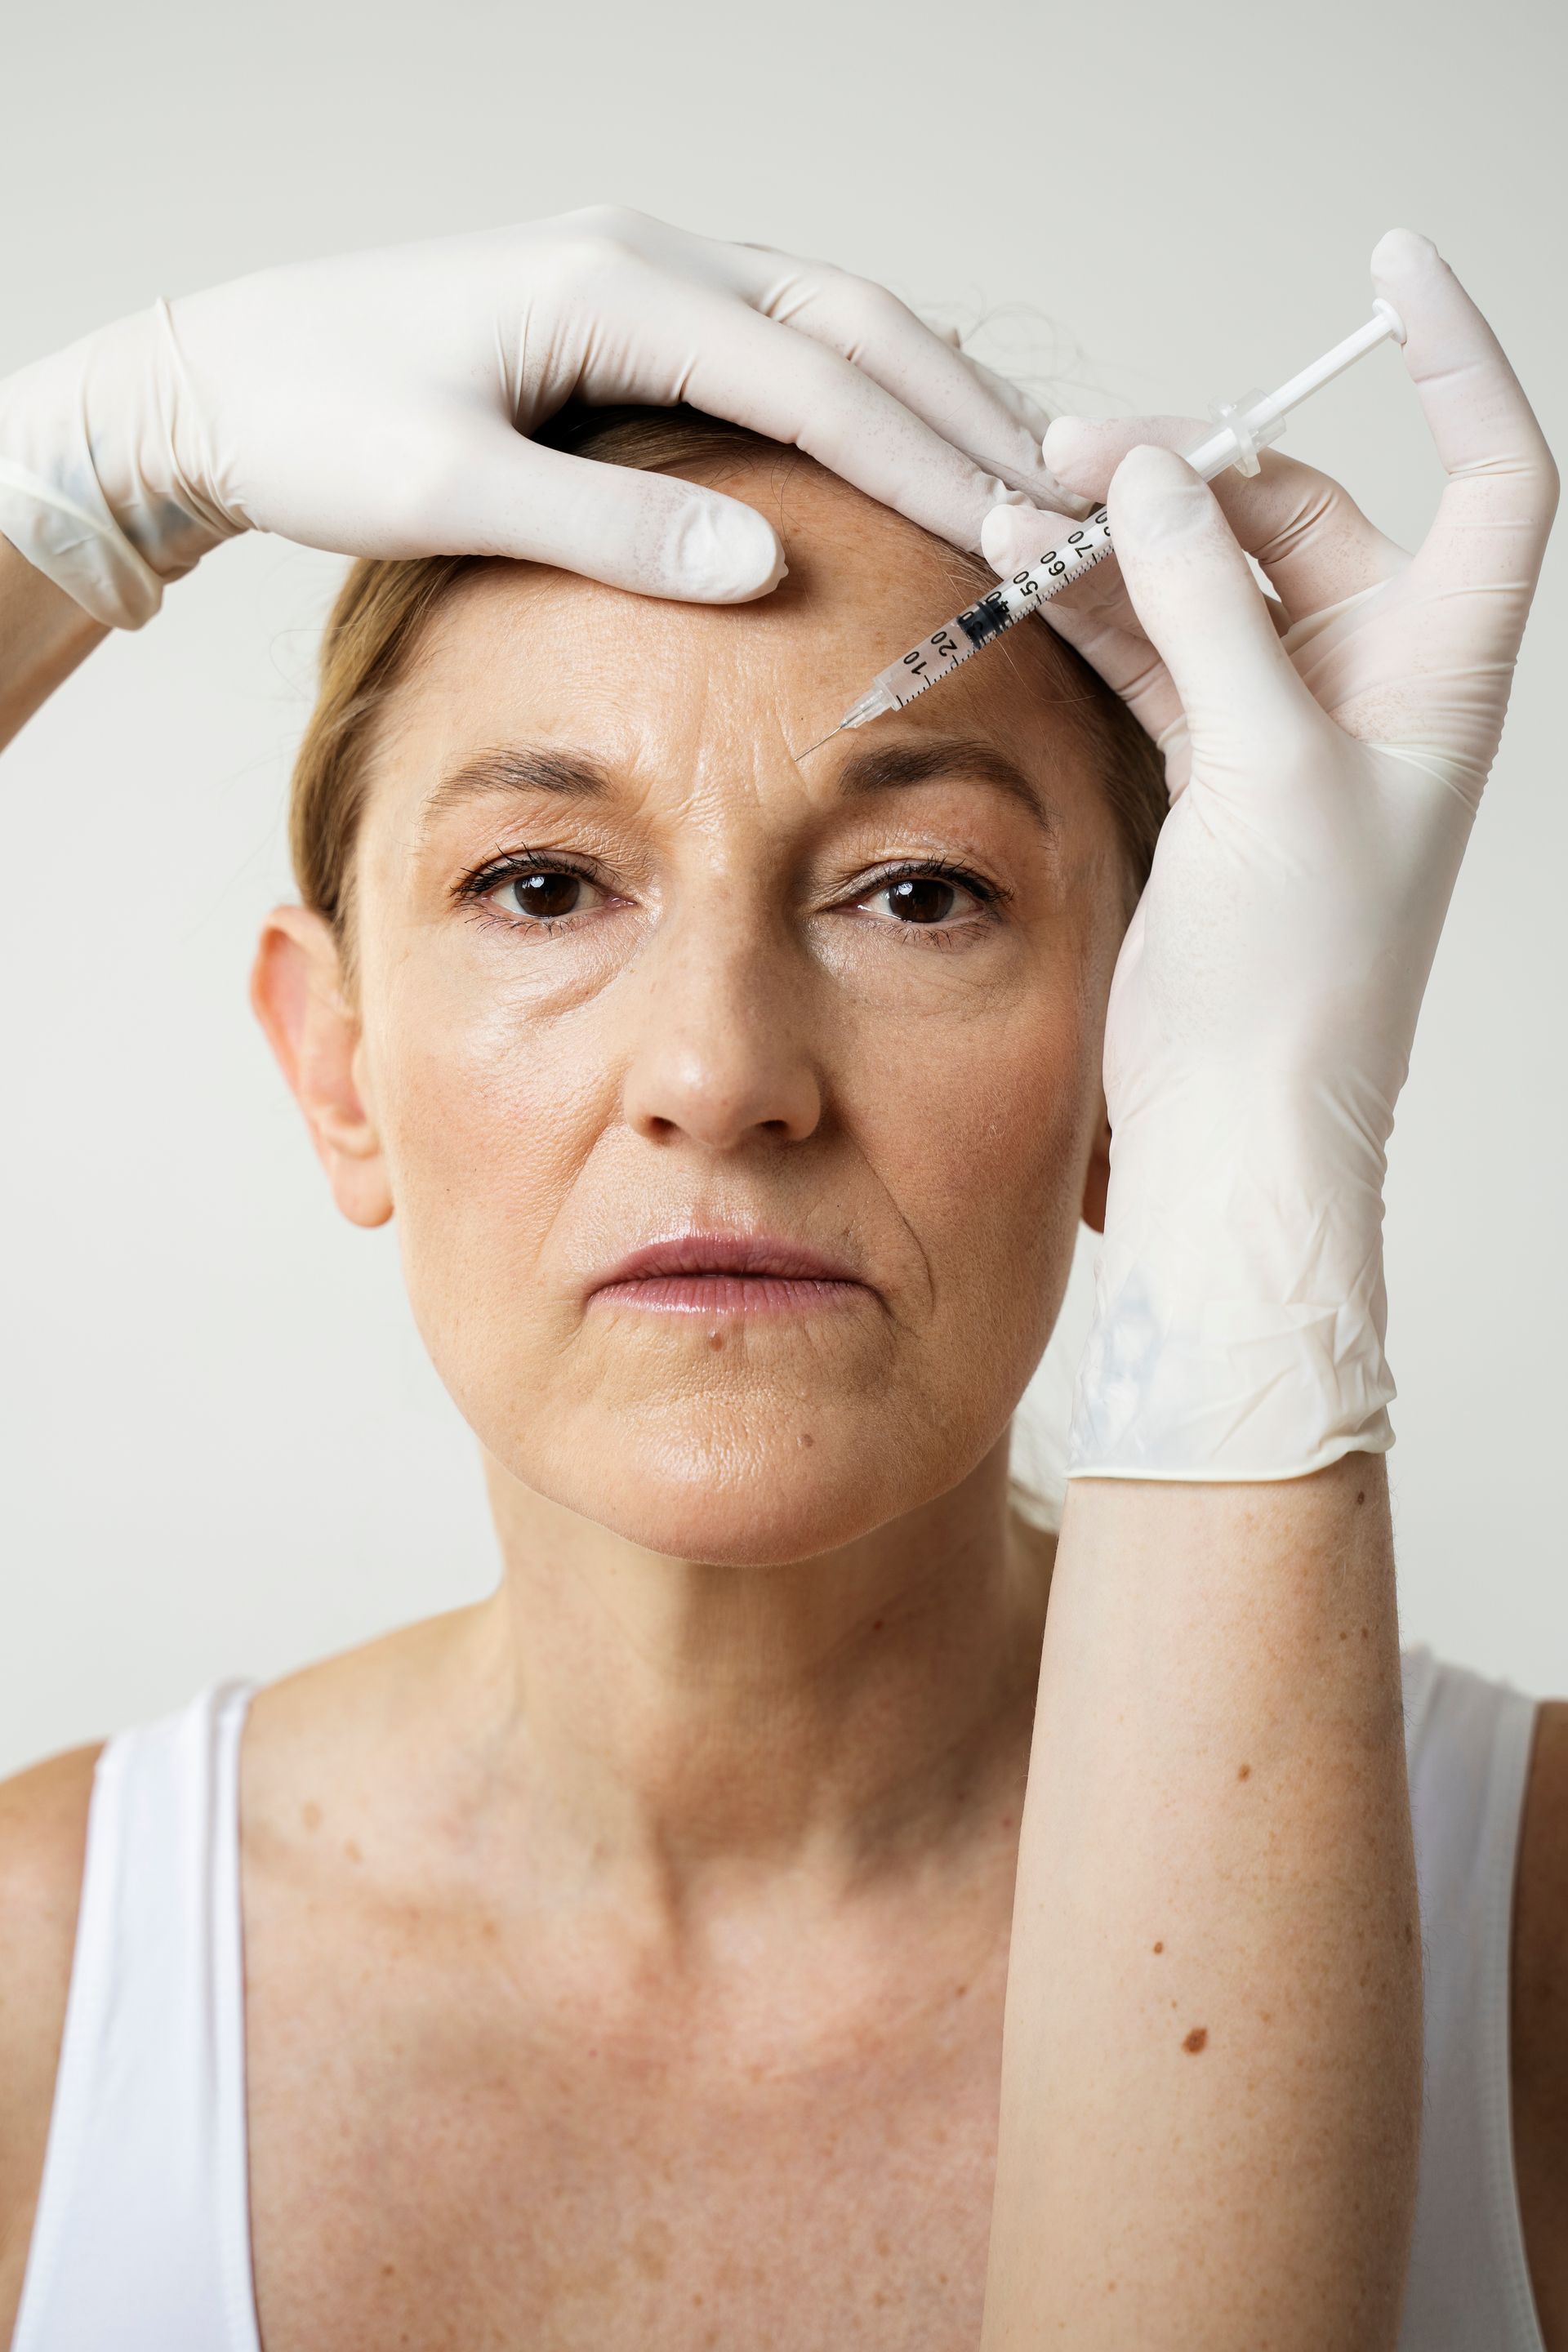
(728, 1274)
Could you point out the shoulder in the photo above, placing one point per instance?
(1540, 1912)
(43, 1841)
(1539, 2018)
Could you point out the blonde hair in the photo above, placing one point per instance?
(385, 605)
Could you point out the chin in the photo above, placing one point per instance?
(738, 1498)
(736, 1531)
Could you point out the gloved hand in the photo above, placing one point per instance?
(1323, 786)
(376, 405)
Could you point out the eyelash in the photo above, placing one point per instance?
(476, 887)
(989, 896)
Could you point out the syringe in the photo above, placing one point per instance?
(1242, 428)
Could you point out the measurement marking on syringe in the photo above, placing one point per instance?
(999, 610)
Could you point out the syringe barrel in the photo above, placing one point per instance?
(1011, 600)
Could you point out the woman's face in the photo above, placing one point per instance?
(631, 968)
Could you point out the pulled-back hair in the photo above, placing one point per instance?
(385, 605)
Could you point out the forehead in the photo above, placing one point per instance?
(519, 653)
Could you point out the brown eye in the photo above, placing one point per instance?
(543, 893)
(921, 899)
(937, 897)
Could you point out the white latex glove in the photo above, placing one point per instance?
(376, 405)
(1323, 786)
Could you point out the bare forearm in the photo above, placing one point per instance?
(43, 635)
(1211, 2090)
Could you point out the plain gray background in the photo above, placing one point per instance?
(222, 1449)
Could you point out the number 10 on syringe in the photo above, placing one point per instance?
(1010, 601)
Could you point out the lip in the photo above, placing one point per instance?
(728, 1274)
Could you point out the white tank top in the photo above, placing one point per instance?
(141, 2241)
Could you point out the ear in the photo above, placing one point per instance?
(1097, 1180)
(298, 994)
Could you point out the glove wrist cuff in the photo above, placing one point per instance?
(91, 491)
(1240, 1319)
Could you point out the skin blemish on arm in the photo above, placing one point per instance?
(1244, 1772)
(1159, 1948)
(310, 1815)
(1196, 2040)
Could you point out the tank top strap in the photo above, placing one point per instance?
(1468, 1745)
(141, 2237)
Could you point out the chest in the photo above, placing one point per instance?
(440, 2162)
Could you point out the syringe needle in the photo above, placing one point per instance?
(869, 705)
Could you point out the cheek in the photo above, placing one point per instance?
(960, 1114)
(981, 1131)
(487, 1115)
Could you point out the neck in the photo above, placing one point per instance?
(837, 1711)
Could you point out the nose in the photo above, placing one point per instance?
(722, 1055)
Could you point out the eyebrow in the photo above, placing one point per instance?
(877, 768)
(517, 768)
(894, 767)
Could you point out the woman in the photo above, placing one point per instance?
(625, 1957)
